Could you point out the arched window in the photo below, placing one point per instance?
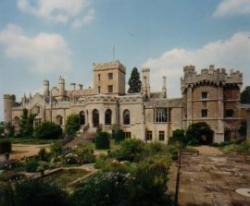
(16, 122)
(59, 120)
(95, 118)
(126, 117)
(108, 117)
(82, 118)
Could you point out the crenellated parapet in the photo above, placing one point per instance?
(109, 65)
(212, 76)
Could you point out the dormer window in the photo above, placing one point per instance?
(204, 95)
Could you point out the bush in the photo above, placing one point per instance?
(56, 149)
(179, 136)
(102, 189)
(38, 193)
(131, 150)
(85, 153)
(118, 135)
(6, 194)
(43, 155)
(5, 146)
(199, 133)
(48, 130)
(243, 148)
(31, 165)
(102, 140)
(72, 124)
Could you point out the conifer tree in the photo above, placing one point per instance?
(245, 96)
(134, 81)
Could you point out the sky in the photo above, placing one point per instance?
(43, 39)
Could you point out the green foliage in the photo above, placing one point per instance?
(85, 153)
(118, 135)
(10, 130)
(134, 81)
(199, 133)
(72, 124)
(179, 136)
(31, 165)
(131, 150)
(26, 124)
(38, 193)
(43, 155)
(243, 128)
(6, 194)
(102, 189)
(102, 140)
(2, 130)
(245, 96)
(56, 149)
(48, 130)
(243, 148)
(5, 146)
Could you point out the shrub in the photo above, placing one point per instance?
(102, 140)
(85, 153)
(48, 130)
(199, 133)
(31, 165)
(43, 155)
(5, 146)
(131, 150)
(72, 124)
(118, 135)
(26, 124)
(179, 136)
(102, 189)
(56, 149)
(243, 148)
(71, 158)
(38, 193)
(6, 194)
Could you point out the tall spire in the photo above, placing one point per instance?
(164, 87)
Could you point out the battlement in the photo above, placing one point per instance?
(109, 65)
(210, 75)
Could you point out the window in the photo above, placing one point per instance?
(108, 117)
(126, 117)
(99, 90)
(149, 135)
(204, 95)
(204, 112)
(95, 118)
(99, 77)
(110, 76)
(82, 118)
(161, 115)
(127, 134)
(229, 113)
(110, 89)
(161, 135)
(59, 120)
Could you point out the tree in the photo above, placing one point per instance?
(179, 136)
(2, 130)
(134, 81)
(26, 124)
(102, 140)
(199, 133)
(48, 130)
(245, 96)
(72, 124)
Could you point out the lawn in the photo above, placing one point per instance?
(31, 140)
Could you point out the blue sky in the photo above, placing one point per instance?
(43, 39)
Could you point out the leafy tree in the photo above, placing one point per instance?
(5, 146)
(245, 96)
(38, 193)
(199, 133)
(2, 130)
(118, 135)
(179, 136)
(6, 194)
(26, 124)
(48, 130)
(72, 124)
(134, 81)
(102, 140)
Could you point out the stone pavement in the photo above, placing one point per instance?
(212, 178)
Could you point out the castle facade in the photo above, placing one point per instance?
(211, 96)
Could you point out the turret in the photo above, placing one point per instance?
(164, 87)
(145, 90)
(8, 104)
(46, 88)
(61, 86)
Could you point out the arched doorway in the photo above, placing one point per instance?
(126, 117)
(59, 120)
(95, 118)
(108, 117)
(82, 118)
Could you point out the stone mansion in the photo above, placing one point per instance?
(211, 96)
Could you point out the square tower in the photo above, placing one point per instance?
(109, 78)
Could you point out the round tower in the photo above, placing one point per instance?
(46, 88)
(8, 103)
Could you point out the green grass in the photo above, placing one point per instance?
(30, 140)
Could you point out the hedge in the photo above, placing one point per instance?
(5, 146)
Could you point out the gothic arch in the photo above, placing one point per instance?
(126, 117)
(95, 118)
(108, 117)
(82, 118)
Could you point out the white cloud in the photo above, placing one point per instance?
(59, 11)
(44, 52)
(87, 19)
(232, 7)
(230, 53)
